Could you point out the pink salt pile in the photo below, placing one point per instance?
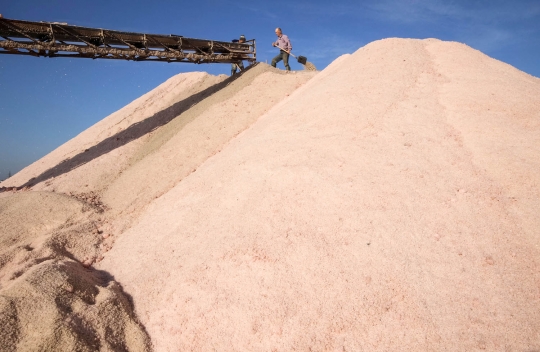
(386, 203)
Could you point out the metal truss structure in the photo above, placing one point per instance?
(53, 39)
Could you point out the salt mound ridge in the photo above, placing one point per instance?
(387, 203)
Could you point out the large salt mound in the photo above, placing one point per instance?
(386, 205)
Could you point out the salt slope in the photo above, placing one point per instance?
(174, 90)
(368, 211)
(180, 147)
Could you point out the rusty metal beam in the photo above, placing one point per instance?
(52, 39)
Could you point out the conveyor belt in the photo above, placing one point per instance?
(53, 39)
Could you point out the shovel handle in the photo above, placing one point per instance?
(286, 51)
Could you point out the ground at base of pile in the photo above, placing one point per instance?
(51, 299)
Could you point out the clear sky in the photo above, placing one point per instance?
(45, 102)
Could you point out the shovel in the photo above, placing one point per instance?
(302, 60)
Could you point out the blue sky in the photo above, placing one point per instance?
(45, 102)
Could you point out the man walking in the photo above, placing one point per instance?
(284, 44)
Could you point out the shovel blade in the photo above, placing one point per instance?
(302, 60)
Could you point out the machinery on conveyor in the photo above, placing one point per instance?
(53, 39)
